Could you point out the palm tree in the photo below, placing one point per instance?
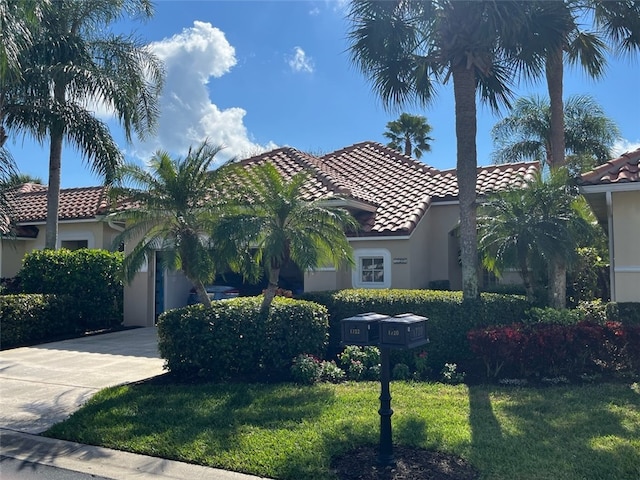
(409, 134)
(71, 62)
(270, 224)
(525, 134)
(617, 23)
(545, 221)
(171, 207)
(406, 47)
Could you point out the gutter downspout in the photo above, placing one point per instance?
(612, 259)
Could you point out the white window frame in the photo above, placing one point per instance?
(356, 273)
(78, 236)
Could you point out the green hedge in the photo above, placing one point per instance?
(31, 318)
(232, 339)
(91, 277)
(449, 317)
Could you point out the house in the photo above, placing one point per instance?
(81, 223)
(408, 212)
(613, 191)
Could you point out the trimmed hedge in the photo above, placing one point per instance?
(91, 277)
(450, 318)
(233, 339)
(30, 318)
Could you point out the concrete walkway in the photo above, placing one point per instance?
(44, 384)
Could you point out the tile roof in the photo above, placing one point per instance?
(29, 203)
(395, 190)
(399, 187)
(624, 169)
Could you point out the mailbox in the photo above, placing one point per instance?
(362, 329)
(403, 331)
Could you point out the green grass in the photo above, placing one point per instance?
(292, 432)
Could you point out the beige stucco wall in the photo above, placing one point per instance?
(626, 245)
(443, 248)
(98, 235)
(11, 254)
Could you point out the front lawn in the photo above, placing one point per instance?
(292, 432)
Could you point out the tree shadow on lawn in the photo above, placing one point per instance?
(568, 432)
(191, 423)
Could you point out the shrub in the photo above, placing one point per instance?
(233, 339)
(91, 277)
(547, 349)
(306, 369)
(360, 363)
(450, 318)
(449, 374)
(31, 318)
(627, 313)
(553, 316)
(401, 371)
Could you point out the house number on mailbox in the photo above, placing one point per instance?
(394, 333)
(354, 331)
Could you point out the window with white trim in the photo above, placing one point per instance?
(372, 269)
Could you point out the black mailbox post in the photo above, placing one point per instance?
(401, 332)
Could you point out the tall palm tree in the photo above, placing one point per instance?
(71, 62)
(409, 134)
(543, 221)
(171, 207)
(617, 25)
(270, 224)
(525, 134)
(406, 47)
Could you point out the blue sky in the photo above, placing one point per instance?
(255, 75)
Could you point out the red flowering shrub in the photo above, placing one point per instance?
(553, 350)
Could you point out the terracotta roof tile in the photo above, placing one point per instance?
(30, 203)
(624, 169)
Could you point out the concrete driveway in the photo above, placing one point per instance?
(44, 384)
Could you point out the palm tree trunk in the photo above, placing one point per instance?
(558, 283)
(407, 146)
(555, 72)
(526, 276)
(55, 162)
(464, 91)
(202, 293)
(270, 292)
(53, 191)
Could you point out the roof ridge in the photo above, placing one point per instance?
(419, 165)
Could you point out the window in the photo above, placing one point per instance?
(74, 244)
(372, 269)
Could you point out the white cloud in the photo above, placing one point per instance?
(299, 62)
(187, 114)
(622, 146)
(314, 11)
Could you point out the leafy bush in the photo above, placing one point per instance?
(548, 349)
(233, 339)
(30, 318)
(360, 363)
(401, 371)
(91, 277)
(553, 316)
(450, 318)
(627, 313)
(306, 369)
